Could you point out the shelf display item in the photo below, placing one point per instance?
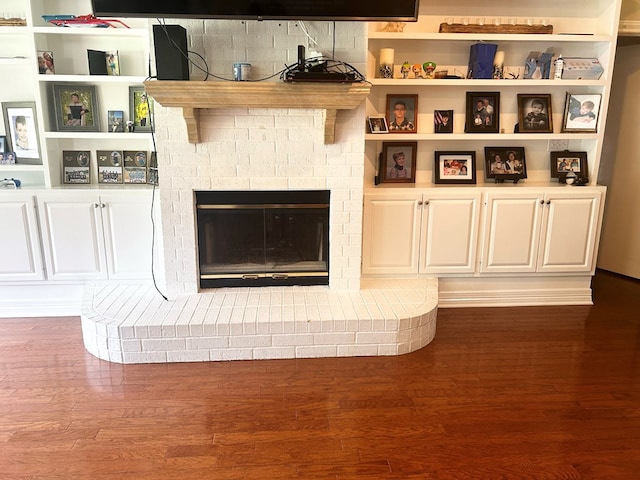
(581, 112)
(481, 57)
(566, 162)
(398, 162)
(109, 166)
(21, 126)
(505, 163)
(535, 113)
(76, 167)
(482, 112)
(455, 167)
(402, 113)
(76, 107)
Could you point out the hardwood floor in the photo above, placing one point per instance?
(501, 393)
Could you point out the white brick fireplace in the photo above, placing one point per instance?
(261, 149)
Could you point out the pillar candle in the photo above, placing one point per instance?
(498, 60)
(386, 56)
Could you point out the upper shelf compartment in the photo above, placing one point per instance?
(195, 95)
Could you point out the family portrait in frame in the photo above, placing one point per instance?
(76, 108)
(402, 113)
(398, 162)
(21, 127)
(564, 162)
(581, 112)
(534, 113)
(482, 112)
(455, 167)
(505, 163)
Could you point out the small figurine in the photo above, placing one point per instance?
(429, 69)
(545, 64)
(530, 67)
(405, 69)
(393, 27)
(417, 70)
(130, 126)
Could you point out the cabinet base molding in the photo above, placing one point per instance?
(40, 300)
(514, 291)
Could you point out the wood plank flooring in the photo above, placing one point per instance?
(501, 393)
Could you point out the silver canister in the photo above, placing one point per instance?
(241, 72)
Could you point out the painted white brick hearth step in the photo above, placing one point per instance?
(134, 324)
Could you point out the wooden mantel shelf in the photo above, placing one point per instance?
(195, 95)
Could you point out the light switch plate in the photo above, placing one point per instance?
(557, 145)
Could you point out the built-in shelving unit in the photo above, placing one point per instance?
(590, 33)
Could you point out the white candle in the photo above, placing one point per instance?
(498, 60)
(386, 56)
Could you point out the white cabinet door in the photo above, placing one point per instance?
(391, 228)
(72, 236)
(449, 233)
(511, 231)
(19, 241)
(570, 231)
(128, 234)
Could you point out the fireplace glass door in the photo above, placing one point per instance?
(247, 243)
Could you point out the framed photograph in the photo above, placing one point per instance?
(402, 113)
(21, 126)
(398, 162)
(3, 143)
(377, 124)
(455, 167)
(135, 166)
(140, 109)
(443, 121)
(482, 112)
(115, 120)
(534, 113)
(45, 63)
(110, 166)
(581, 112)
(113, 63)
(76, 107)
(565, 162)
(76, 167)
(505, 163)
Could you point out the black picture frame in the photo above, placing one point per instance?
(140, 109)
(377, 124)
(75, 107)
(482, 112)
(443, 121)
(458, 167)
(581, 113)
(512, 166)
(408, 114)
(21, 127)
(392, 153)
(535, 113)
(561, 163)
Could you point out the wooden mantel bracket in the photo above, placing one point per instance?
(192, 96)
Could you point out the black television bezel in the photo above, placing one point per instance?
(119, 13)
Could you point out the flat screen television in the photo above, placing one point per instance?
(347, 10)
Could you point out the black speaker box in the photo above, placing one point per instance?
(170, 43)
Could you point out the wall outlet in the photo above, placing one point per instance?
(557, 145)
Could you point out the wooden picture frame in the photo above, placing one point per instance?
(581, 112)
(505, 163)
(140, 109)
(377, 124)
(76, 107)
(482, 112)
(21, 128)
(564, 162)
(443, 121)
(402, 113)
(398, 162)
(455, 167)
(535, 113)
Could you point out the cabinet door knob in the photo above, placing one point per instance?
(95, 205)
(102, 205)
(548, 202)
(419, 202)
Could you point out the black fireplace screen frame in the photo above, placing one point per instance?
(262, 238)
